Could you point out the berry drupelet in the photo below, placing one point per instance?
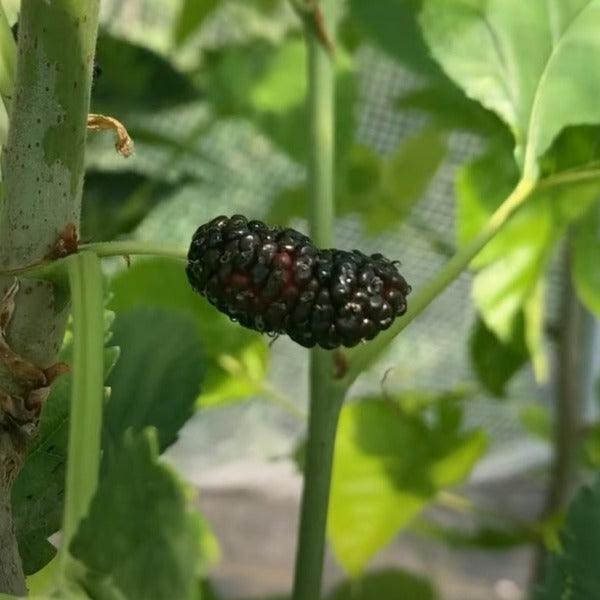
(275, 280)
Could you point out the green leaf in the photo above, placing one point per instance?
(388, 465)
(157, 379)
(260, 81)
(140, 535)
(573, 573)
(389, 584)
(114, 204)
(162, 283)
(537, 420)
(495, 361)
(512, 266)
(585, 265)
(519, 59)
(393, 26)
(191, 16)
(483, 537)
(383, 191)
(136, 79)
(38, 492)
(450, 109)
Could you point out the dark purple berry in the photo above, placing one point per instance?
(275, 281)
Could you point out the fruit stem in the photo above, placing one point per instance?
(363, 357)
(325, 397)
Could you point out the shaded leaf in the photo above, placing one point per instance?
(451, 109)
(484, 537)
(573, 572)
(585, 265)
(481, 46)
(135, 79)
(382, 191)
(38, 492)
(162, 283)
(113, 203)
(140, 533)
(393, 26)
(191, 16)
(385, 585)
(261, 82)
(388, 465)
(495, 361)
(157, 379)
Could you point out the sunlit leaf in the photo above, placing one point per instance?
(520, 59)
(537, 420)
(512, 266)
(388, 465)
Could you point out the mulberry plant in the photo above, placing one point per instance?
(276, 281)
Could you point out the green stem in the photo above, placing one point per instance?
(325, 398)
(569, 177)
(363, 357)
(325, 405)
(87, 392)
(134, 248)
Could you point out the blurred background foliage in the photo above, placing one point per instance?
(495, 382)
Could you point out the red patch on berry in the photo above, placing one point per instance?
(283, 260)
(239, 280)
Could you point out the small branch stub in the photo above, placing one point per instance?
(312, 13)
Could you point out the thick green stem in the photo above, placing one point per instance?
(325, 398)
(364, 356)
(42, 168)
(85, 423)
(325, 404)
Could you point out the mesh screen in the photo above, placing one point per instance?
(243, 172)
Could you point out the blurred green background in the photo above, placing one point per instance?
(212, 92)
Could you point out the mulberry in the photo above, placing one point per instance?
(274, 280)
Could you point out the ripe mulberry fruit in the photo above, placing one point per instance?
(275, 280)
